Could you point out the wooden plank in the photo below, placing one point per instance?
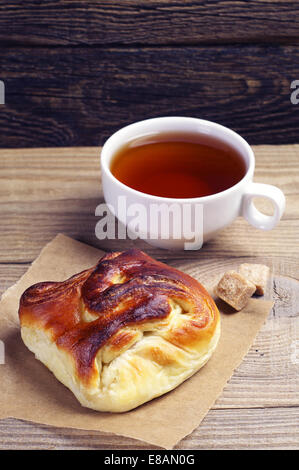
(47, 174)
(78, 96)
(252, 429)
(43, 191)
(46, 191)
(26, 227)
(147, 22)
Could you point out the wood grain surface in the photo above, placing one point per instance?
(147, 22)
(66, 96)
(75, 72)
(46, 191)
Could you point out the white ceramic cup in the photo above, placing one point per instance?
(220, 209)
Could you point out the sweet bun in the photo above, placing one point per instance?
(123, 332)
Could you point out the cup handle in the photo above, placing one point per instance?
(253, 215)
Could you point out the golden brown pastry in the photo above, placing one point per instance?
(122, 332)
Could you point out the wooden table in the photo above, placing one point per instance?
(46, 191)
(76, 72)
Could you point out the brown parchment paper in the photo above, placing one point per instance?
(28, 390)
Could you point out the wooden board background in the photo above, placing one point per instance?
(46, 191)
(74, 72)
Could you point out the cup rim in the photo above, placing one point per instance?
(249, 173)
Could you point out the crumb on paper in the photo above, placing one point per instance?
(235, 289)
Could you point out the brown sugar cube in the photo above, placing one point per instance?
(257, 274)
(234, 289)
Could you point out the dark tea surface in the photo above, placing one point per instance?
(177, 168)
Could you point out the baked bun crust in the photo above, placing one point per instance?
(122, 332)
